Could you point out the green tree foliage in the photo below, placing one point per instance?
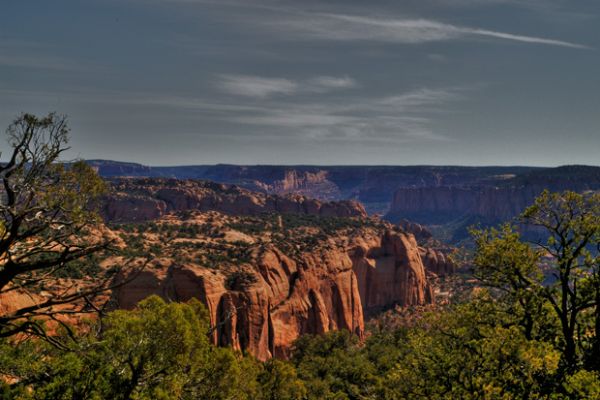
(334, 367)
(472, 352)
(512, 268)
(157, 351)
(278, 380)
(554, 281)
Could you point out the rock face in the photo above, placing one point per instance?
(373, 186)
(150, 198)
(420, 232)
(444, 204)
(316, 292)
(132, 208)
(391, 273)
(437, 262)
(312, 184)
(494, 201)
(425, 193)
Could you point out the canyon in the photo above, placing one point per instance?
(150, 198)
(499, 201)
(268, 267)
(268, 279)
(373, 186)
(449, 198)
(273, 263)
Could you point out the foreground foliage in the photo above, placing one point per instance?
(161, 351)
(158, 351)
(47, 228)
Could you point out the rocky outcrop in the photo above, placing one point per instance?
(373, 186)
(132, 208)
(495, 201)
(391, 273)
(150, 198)
(424, 195)
(318, 291)
(421, 233)
(313, 184)
(437, 262)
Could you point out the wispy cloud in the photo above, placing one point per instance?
(263, 87)
(410, 31)
(323, 83)
(399, 118)
(255, 86)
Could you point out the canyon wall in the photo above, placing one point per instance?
(490, 204)
(326, 289)
(373, 186)
(437, 261)
(142, 199)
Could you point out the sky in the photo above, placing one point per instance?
(440, 82)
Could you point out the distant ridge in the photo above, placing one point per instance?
(450, 196)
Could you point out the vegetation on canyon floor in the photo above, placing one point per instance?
(530, 329)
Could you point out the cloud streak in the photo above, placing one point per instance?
(400, 118)
(262, 87)
(255, 86)
(340, 27)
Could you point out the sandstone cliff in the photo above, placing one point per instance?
(312, 184)
(145, 199)
(446, 203)
(495, 201)
(437, 261)
(421, 233)
(373, 186)
(285, 282)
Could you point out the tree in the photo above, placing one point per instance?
(470, 352)
(46, 225)
(558, 274)
(571, 222)
(279, 381)
(334, 367)
(157, 351)
(512, 268)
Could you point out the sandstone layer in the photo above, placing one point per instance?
(145, 199)
(437, 261)
(295, 288)
(488, 202)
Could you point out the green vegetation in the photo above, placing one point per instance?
(552, 287)
(290, 222)
(166, 230)
(207, 247)
(158, 351)
(240, 279)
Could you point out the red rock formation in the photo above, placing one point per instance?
(488, 203)
(437, 262)
(312, 184)
(391, 273)
(420, 232)
(123, 207)
(145, 199)
(319, 291)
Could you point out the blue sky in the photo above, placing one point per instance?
(172, 82)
